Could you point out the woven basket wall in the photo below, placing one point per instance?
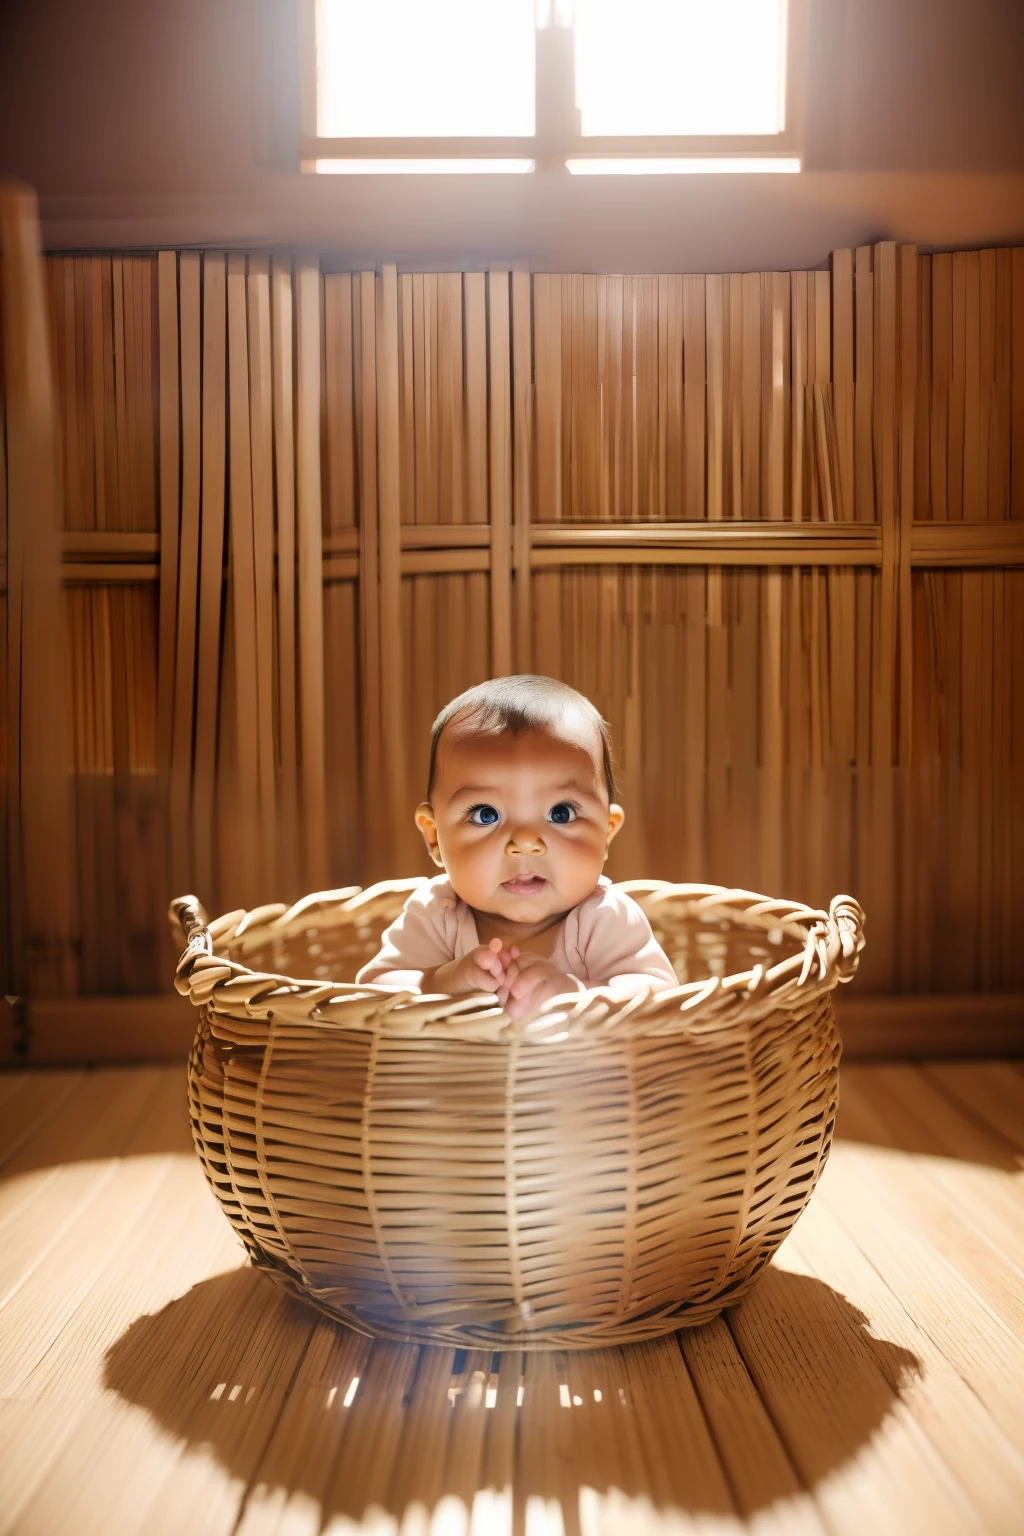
(428, 1170)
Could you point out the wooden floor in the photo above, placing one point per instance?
(873, 1381)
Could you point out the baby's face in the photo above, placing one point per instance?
(521, 823)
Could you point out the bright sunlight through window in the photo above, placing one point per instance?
(416, 69)
(477, 167)
(504, 76)
(714, 165)
(680, 66)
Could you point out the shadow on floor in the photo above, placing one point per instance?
(292, 1404)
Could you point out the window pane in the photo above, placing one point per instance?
(424, 68)
(680, 66)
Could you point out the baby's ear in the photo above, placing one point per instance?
(424, 819)
(616, 816)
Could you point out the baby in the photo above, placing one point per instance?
(519, 814)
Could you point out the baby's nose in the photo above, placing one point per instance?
(525, 839)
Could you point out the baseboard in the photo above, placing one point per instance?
(933, 1024)
(75, 1031)
(92, 1030)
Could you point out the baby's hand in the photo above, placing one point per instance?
(530, 981)
(480, 970)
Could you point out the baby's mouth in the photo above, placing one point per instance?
(524, 885)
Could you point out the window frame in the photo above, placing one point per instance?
(558, 138)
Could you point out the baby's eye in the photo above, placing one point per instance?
(562, 813)
(484, 815)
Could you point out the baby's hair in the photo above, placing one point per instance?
(523, 703)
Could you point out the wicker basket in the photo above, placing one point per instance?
(427, 1170)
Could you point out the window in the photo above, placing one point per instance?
(596, 87)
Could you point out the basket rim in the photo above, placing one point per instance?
(239, 997)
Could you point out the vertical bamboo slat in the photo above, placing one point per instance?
(1017, 376)
(309, 553)
(750, 396)
(246, 861)
(694, 391)
(906, 412)
(842, 656)
(971, 381)
(863, 449)
(548, 407)
(500, 461)
(908, 342)
(369, 596)
(284, 466)
(957, 388)
(668, 395)
(125, 487)
(714, 362)
(922, 409)
(169, 496)
(475, 342)
(942, 369)
(843, 370)
(884, 726)
(337, 414)
(261, 432)
(73, 499)
(392, 698)
(999, 493)
(149, 359)
(522, 454)
(211, 567)
(987, 451)
(886, 458)
(97, 337)
(772, 706)
(41, 851)
(180, 791)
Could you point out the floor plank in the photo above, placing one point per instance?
(296, 1470)
(955, 1317)
(969, 1212)
(176, 1238)
(226, 1381)
(151, 1382)
(822, 1379)
(37, 1099)
(52, 1180)
(12, 1083)
(992, 1091)
(33, 1439)
(960, 1428)
(756, 1461)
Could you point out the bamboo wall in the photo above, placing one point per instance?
(771, 523)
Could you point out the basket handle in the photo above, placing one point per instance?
(845, 936)
(188, 918)
(835, 943)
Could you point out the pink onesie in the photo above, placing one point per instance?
(605, 941)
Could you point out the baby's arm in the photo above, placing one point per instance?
(415, 953)
(480, 970)
(415, 944)
(620, 950)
